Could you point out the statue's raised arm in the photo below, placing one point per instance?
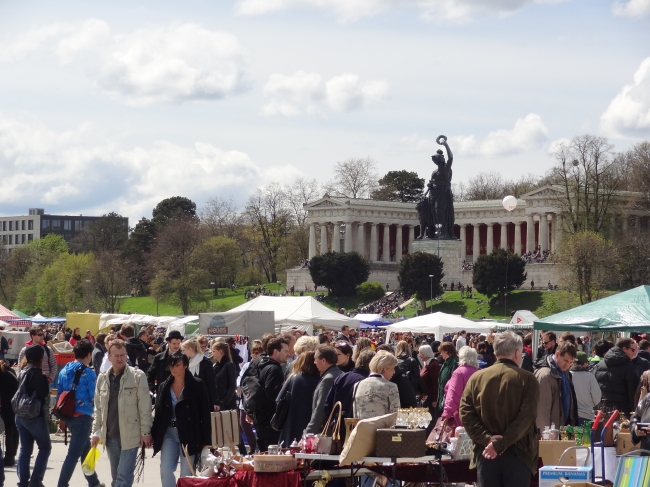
(442, 140)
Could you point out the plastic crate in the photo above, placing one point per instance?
(64, 358)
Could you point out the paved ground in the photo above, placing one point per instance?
(151, 476)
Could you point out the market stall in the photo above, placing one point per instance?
(438, 323)
(368, 320)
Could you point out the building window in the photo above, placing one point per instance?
(56, 224)
(46, 224)
(30, 237)
(77, 225)
(11, 239)
(24, 238)
(4, 226)
(11, 226)
(22, 225)
(67, 224)
(30, 224)
(4, 239)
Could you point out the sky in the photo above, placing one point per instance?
(114, 106)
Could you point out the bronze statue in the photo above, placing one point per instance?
(438, 207)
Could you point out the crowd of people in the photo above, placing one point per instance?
(386, 305)
(134, 393)
(537, 257)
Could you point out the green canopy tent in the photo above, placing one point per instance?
(19, 313)
(626, 311)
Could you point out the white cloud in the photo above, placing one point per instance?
(632, 8)
(174, 64)
(301, 92)
(629, 112)
(350, 10)
(79, 169)
(169, 64)
(529, 133)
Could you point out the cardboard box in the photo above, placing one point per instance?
(274, 463)
(624, 443)
(551, 451)
(578, 484)
(551, 476)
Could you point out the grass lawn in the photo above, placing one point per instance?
(541, 303)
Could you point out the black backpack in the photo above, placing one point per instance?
(253, 394)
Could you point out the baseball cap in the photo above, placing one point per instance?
(582, 358)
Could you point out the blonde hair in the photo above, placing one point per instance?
(381, 361)
(305, 344)
(224, 347)
(362, 344)
(191, 344)
(201, 339)
(402, 347)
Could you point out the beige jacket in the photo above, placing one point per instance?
(134, 407)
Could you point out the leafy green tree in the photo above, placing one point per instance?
(414, 272)
(589, 264)
(371, 291)
(220, 257)
(174, 208)
(108, 280)
(109, 233)
(340, 273)
(489, 274)
(45, 250)
(137, 252)
(401, 186)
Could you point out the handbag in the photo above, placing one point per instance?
(64, 407)
(442, 431)
(282, 409)
(25, 405)
(331, 445)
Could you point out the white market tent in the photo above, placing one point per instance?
(183, 324)
(302, 312)
(523, 317)
(438, 323)
(108, 320)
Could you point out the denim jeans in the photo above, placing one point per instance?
(77, 449)
(30, 431)
(2, 469)
(122, 463)
(170, 454)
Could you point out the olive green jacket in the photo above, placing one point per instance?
(446, 369)
(502, 400)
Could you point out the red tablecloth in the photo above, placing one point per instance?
(246, 479)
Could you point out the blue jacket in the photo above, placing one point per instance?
(85, 395)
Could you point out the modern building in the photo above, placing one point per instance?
(18, 230)
(384, 231)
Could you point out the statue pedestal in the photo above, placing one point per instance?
(450, 253)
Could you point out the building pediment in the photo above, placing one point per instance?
(543, 192)
(327, 202)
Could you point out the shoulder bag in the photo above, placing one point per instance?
(443, 431)
(331, 445)
(64, 407)
(282, 409)
(26, 405)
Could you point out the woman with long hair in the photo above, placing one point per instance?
(362, 344)
(410, 366)
(201, 367)
(76, 336)
(34, 430)
(8, 387)
(448, 353)
(344, 356)
(182, 418)
(302, 385)
(225, 373)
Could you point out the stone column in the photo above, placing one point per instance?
(385, 251)
(398, 243)
(336, 237)
(543, 231)
(312, 241)
(463, 239)
(518, 238)
(411, 237)
(558, 232)
(374, 242)
(551, 233)
(323, 238)
(504, 236)
(489, 247)
(530, 233)
(347, 245)
(361, 239)
(476, 248)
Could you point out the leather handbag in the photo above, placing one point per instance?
(442, 431)
(401, 443)
(331, 445)
(282, 409)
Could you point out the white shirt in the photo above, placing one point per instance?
(460, 343)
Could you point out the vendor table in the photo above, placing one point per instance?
(245, 478)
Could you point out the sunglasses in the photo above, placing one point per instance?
(40, 334)
(546, 343)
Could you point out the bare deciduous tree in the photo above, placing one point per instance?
(355, 177)
(221, 217)
(485, 186)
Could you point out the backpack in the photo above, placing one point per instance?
(253, 394)
(64, 407)
(25, 405)
(411, 369)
